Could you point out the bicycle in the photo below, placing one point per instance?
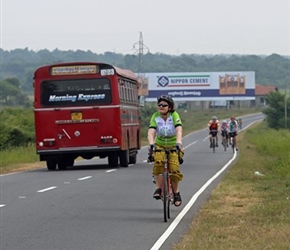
(224, 140)
(213, 139)
(232, 141)
(166, 190)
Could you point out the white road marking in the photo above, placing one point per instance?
(206, 138)
(190, 144)
(84, 178)
(46, 189)
(183, 212)
(22, 197)
(2, 205)
(111, 170)
(8, 174)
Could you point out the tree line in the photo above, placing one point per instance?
(270, 70)
(18, 66)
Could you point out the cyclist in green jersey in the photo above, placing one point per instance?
(233, 130)
(165, 131)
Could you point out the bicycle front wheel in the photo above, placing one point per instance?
(169, 195)
(165, 196)
(233, 144)
(225, 143)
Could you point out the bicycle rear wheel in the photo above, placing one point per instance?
(165, 196)
(233, 144)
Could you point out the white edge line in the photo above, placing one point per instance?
(183, 212)
(46, 189)
(2, 205)
(176, 221)
(9, 174)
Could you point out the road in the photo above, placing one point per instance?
(91, 206)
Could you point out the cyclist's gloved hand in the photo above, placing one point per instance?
(178, 146)
(151, 148)
(150, 158)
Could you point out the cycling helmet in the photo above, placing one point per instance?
(167, 99)
(214, 118)
(224, 121)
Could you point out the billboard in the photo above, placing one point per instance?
(193, 86)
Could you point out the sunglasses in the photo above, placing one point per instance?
(162, 105)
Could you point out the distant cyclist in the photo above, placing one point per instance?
(165, 131)
(213, 128)
(233, 130)
(224, 131)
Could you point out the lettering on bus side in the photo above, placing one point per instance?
(73, 98)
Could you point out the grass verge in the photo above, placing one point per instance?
(247, 211)
(19, 159)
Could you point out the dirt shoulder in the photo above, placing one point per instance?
(22, 167)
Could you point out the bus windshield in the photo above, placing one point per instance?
(76, 92)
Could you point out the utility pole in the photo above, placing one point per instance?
(285, 108)
(143, 88)
(140, 50)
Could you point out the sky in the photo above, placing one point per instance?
(175, 27)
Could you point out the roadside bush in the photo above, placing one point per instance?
(17, 127)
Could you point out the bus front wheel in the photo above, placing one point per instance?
(133, 159)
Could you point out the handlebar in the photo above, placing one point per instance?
(167, 151)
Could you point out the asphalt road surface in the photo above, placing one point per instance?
(92, 207)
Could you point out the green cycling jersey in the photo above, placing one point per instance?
(165, 130)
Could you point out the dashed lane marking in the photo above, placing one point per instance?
(111, 170)
(84, 178)
(46, 189)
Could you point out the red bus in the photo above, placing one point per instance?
(86, 109)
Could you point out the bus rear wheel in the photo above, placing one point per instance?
(51, 164)
(113, 160)
(62, 164)
(124, 158)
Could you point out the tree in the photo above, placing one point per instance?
(8, 90)
(11, 94)
(275, 113)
